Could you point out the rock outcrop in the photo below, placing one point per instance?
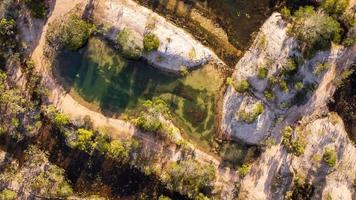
(177, 51)
(270, 49)
(274, 175)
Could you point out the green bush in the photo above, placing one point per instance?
(242, 86)
(283, 85)
(296, 145)
(188, 177)
(269, 95)
(118, 150)
(7, 33)
(290, 67)
(72, 34)
(149, 123)
(286, 13)
(162, 197)
(7, 194)
(334, 7)
(57, 118)
(126, 42)
(150, 42)
(262, 73)
(244, 170)
(350, 37)
(102, 143)
(272, 80)
(320, 67)
(38, 8)
(316, 30)
(330, 157)
(83, 140)
(299, 86)
(250, 116)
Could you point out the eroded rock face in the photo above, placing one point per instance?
(334, 181)
(251, 133)
(177, 49)
(270, 49)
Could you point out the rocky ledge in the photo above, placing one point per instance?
(177, 50)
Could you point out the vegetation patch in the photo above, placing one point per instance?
(330, 157)
(314, 29)
(7, 33)
(290, 67)
(262, 73)
(240, 87)
(294, 145)
(269, 95)
(189, 177)
(244, 170)
(321, 67)
(127, 46)
(150, 42)
(73, 33)
(334, 7)
(283, 85)
(251, 115)
(38, 8)
(7, 194)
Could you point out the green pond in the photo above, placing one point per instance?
(101, 79)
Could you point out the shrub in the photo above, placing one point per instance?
(269, 95)
(38, 8)
(7, 194)
(244, 170)
(290, 67)
(351, 38)
(59, 119)
(272, 80)
(127, 45)
(7, 33)
(150, 42)
(242, 86)
(295, 146)
(283, 85)
(149, 123)
(162, 197)
(83, 139)
(299, 86)
(262, 73)
(320, 67)
(102, 143)
(315, 29)
(250, 116)
(330, 157)
(334, 7)
(118, 150)
(286, 13)
(189, 177)
(72, 34)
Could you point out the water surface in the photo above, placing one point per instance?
(112, 84)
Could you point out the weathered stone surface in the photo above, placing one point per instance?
(177, 48)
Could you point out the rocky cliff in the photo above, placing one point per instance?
(295, 125)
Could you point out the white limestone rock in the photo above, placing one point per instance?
(177, 48)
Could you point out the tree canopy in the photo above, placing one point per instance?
(315, 29)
